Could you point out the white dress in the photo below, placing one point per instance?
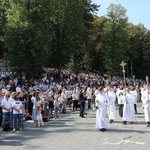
(128, 109)
(39, 116)
(146, 104)
(111, 104)
(101, 111)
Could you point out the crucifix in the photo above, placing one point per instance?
(123, 71)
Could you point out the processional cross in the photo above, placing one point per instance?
(123, 64)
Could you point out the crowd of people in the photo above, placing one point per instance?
(49, 96)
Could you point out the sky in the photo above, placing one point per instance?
(138, 11)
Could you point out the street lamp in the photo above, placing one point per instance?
(132, 67)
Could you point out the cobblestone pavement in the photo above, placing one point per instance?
(69, 132)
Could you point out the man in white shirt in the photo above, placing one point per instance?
(89, 96)
(17, 113)
(120, 97)
(7, 108)
(69, 93)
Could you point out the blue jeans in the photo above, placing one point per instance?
(7, 119)
(17, 117)
(55, 112)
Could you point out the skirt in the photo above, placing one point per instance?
(34, 117)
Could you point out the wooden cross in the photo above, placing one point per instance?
(123, 66)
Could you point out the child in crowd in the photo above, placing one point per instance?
(39, 116)
(60, 100)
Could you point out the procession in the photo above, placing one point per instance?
(74, 75)
(46, 99)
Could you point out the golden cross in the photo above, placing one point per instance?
(123, 65)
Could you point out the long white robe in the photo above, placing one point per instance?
(146, 104)
(111, 108)
(128, 110)
(101, 112)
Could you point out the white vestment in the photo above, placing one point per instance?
(128, 110)
(101, 111)
(146, 104)
(111, 108)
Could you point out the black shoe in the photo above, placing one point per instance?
(111, 121)
(124, 122)
(148, 124)
(103, 130)
(131, 122)
(82, 117)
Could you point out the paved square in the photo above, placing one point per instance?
(73, 133)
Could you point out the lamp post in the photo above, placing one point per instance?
(132, 67)
(123, 64)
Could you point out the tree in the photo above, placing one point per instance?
(4, 5)
(28, 34)
(115, 39)
(142, 62)
(71, 24)
(97, 47)
(67, 27)
(87, 49)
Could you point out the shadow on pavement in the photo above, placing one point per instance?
(10, 143)
(128, 131)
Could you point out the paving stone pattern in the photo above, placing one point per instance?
(70, 132)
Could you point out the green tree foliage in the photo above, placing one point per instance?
(4, 6)
(43, 32)
(138, 50)
(77, 19)
(57, 33)
(87, 43)
(68, 28)
(115, 40)
(142, 62)
(27, 37)
(97, 47)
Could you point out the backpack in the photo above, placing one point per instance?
(6, 127)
